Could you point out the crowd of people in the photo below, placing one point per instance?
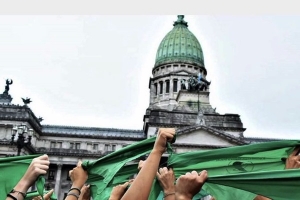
(185, 187)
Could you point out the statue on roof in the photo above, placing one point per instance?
(26, 101)
(195, 84)
(8, 82)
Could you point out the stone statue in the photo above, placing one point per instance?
(184, 84)
(198, 84)
(26, 101)
(7, 86)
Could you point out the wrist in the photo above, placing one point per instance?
(77, 185)
(169, 190)
(157, 152)
(179, 196)
(22, 186)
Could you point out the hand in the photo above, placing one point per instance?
(141, 164)
(190, 184)
(293, 161)
(38, 166)
(166, 180)
(85, 193)
(118, 191)
(78, 176)
(164, 135)
(258, 197)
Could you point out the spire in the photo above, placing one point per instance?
(180, 20)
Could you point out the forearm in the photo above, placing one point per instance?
(141, 185)
(22, 186)
(72, 195)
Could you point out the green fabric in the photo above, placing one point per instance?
(32, 194)
(102, 171)
(239, 162)
(12, 170)
(234, 173)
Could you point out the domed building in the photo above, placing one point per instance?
(179, 98)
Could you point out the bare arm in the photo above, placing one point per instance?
(166, 180)
(38, 166)
(78, 177)
(141, 185)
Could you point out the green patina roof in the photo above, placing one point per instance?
(179, 45)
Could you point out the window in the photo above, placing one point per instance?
(167, 86)
(175, 85)
(51, 174)
(59, 145)
(161, 87)
(155, 89)
(71, 145)
(77, 146)
(114, 147)
(95, 146)
(52, 145)
(106, 147)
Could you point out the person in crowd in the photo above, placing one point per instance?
(78, 177)
(166, 179)
(118, 191)
(85, 193)
(292, 162)
(141, 186)
(37, 167)
(46, 196)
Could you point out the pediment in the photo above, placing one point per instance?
(205, 136)
(182, 72)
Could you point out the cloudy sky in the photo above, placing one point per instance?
(94, 70)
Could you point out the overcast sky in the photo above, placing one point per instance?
(95, 70)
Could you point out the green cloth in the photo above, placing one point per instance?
(234, 173)
(32, 194)
(237, 167)
(12, 170)
(102, 171)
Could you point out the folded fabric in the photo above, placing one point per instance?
(12, 170)
(102, 171)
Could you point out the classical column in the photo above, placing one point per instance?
(171, 88)
(58, 181)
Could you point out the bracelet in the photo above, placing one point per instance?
(75, 189)
(172, 193)
(22, 193)
(11, 196)
(73, 194)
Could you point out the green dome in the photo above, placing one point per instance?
(179, 45)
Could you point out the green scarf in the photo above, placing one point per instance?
(234, 173)
(12, 170)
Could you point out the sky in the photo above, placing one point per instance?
(94, 70)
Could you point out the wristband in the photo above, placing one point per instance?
(75, 189)
(11, 196)
(22, 193)
(73, 194)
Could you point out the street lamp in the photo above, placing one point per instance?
(24, 137)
